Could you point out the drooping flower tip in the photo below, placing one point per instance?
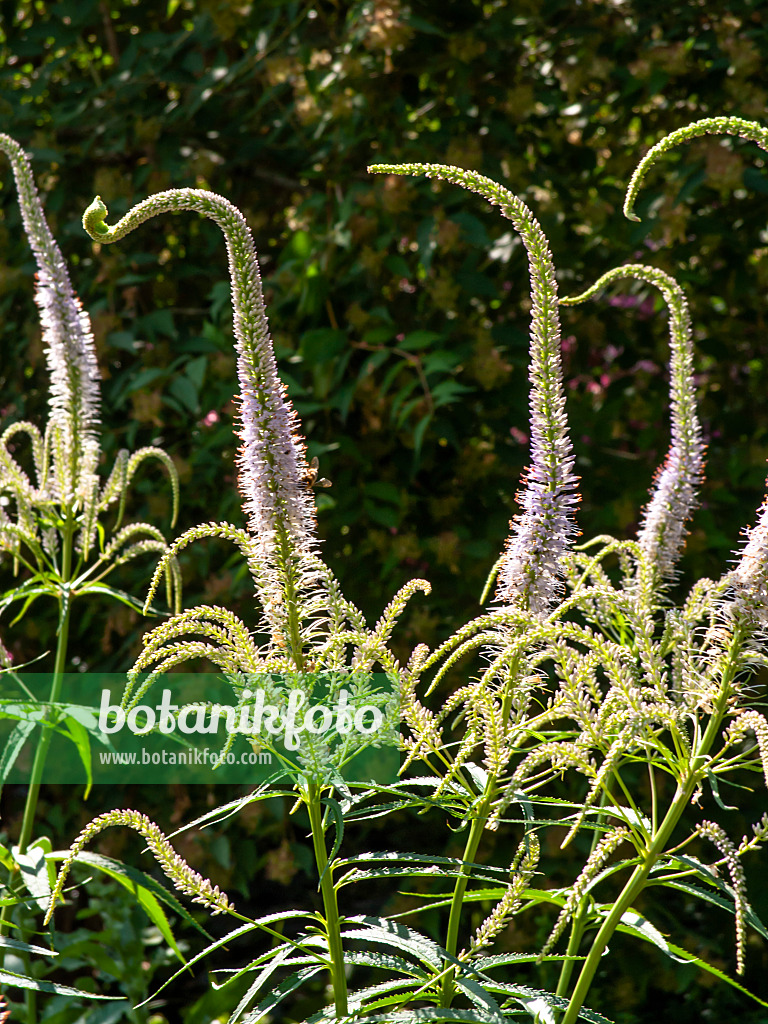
(94, 219)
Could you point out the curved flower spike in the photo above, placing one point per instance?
(750, 577)
(662, 533)
(530, 573)
(272, 461)
(714, 833)
(67, 336)
(707, 126)
(173, 866)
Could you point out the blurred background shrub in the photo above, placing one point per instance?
(399, 308)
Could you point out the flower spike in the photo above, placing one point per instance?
(662, 533)
(707, 126)
(174, 867)
(750, 577)
(530, 572)
(272, 460)
(68, 339)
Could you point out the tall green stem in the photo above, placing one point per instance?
(291, 596)
(330, 906)
(41, 754)
(629, 894)
(448, 988)
(578, 924)
(655, 850)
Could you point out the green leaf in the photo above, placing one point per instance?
(279, 916)
(433, 1014)
(118, 595)
(278, 994)
(418, 437)
(683, 954)
(146, 890)
(712, 779)
(384, 491)
(195, 370)
(44, 843)
(477, 994)
(726, 904)
(360, 874)
(25, 947)
(256, 985)
(13, 746)
(386, 962)
(143, 378)
(79, 736)
(386, 993)
(184, 390)
(338, 820)
(447, 391)
(34, 873)
(323, 345)
(635, 924)
(397, 936)
(20, 981)
(453, 864)
(416, 340)
(6, 858)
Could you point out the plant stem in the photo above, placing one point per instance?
(447, 988)
(655, 850)
(290, 597)
(578, 923)
(628, 895)
(41, 754)
(578, 926)
(330, 906)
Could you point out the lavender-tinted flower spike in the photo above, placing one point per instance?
(750, 577)
(662, 532)
(67, 336)
(530, 573)
(272, 461)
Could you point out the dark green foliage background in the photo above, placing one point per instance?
(399, 308)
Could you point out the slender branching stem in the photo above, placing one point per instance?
(294, 640)
(579, 921)
(41, 754)
(578, 927)
(479, 822)
(656, 848)
(448, 987)
(330, 905)
(654, 796)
